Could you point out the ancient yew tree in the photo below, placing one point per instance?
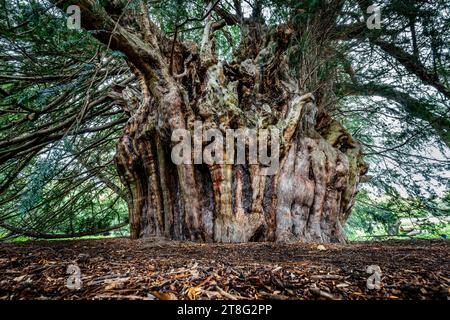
(287, 69)
(309, 197)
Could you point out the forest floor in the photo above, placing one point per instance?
(124, 269)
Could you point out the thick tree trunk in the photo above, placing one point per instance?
(309, 197)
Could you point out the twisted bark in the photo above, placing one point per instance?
(311, 193)
(308, 198)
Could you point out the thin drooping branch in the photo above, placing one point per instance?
(414, 107)
(413, 66)
(409, 61)
(4, 185)
(41, 235)
(97, 172)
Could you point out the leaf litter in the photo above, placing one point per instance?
(116, 269)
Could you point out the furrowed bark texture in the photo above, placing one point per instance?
(310, 196)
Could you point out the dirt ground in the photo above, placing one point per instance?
(125, 269)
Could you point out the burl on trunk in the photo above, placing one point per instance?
(309, 197)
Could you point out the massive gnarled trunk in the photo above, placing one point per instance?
(311, 193)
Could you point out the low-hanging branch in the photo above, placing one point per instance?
(414, 107)
(41, 235)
